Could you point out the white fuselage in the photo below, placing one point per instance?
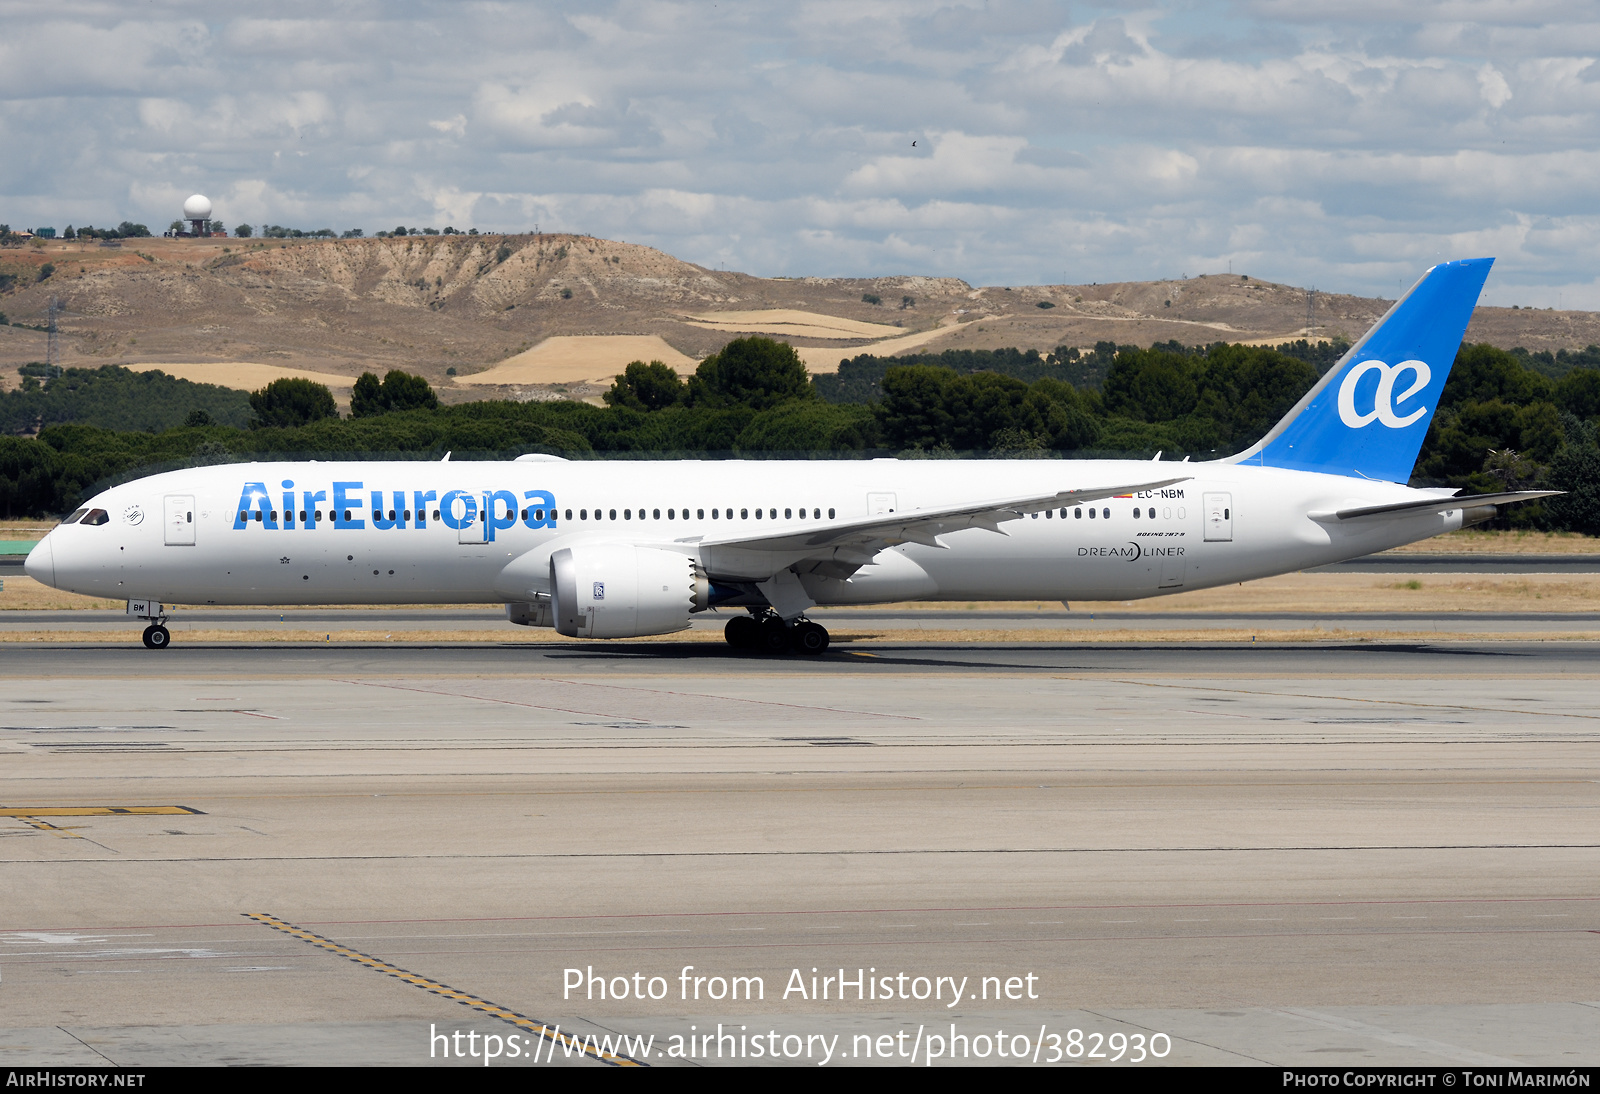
(178, 537)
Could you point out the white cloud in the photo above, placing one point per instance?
(1344, 143)
(1496, 92)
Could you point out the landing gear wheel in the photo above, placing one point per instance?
(774, 635)
(810, 637)
(742, 633)
(157, 637)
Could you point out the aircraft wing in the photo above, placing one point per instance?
(1430, 505)
(839, 548)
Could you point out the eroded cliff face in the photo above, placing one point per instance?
(428, 304)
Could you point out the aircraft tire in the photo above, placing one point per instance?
(773, 635)
(810, 638)
(741, 632)
(157, 637)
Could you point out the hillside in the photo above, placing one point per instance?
(554, 311)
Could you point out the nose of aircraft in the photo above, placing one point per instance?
(41, 563)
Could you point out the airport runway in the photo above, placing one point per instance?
(1321, 853)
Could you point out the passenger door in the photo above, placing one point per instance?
(1219, 518)
(178, 520)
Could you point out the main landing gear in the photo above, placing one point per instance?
(157, 637)
(768, 633)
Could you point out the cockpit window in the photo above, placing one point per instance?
(97, 516)
(73, 519)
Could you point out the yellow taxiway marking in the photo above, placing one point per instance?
(551, 1034)
(103, 811)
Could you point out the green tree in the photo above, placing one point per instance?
(244, 231)
(758, 373)
(802, 427)
(1578, 392)
(1151, 386)
(397, 391)
(646, 387)
(291, 402)
(1577, 471)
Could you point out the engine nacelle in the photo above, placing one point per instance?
(614, 590)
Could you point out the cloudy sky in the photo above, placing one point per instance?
(1344, 144)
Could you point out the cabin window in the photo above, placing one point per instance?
(1137, 514)
(73, 519)
(613, 514)
(100, 516)
(1091, 514)
(1077, 514)
(569, 513)
(1048, 513)
(391, 514)
(1153, 513)
(256, 516)
(627, 514)
(830, 514)
(702, 513)
(405, 513)
(670, 513)
(744, 514)
(1106, 513)
(538, 514)
(436, 514)
(758, 514)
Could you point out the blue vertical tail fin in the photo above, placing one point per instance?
(1368, 416)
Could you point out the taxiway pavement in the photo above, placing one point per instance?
(1320, 853)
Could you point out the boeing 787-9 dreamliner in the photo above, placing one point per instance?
(614, 550)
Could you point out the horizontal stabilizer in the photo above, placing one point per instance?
(1431, 505)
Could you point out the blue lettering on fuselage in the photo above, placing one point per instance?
(457, 509)
(254, 507)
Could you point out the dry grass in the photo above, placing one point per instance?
(22, 593)
(581, 358)
(826, 358)
(244, 375)
(1334, 593)
(1473, 541)
(791, 321)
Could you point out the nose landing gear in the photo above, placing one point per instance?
(768, 633)
(156, 635)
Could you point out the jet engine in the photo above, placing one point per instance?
(615, 590)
